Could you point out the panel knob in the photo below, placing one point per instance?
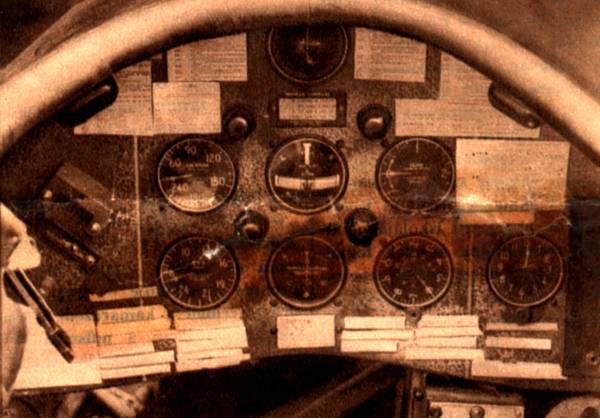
(374, 121)
(361, 226)
(239, 123)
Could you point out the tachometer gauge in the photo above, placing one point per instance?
(307, 175)
(196, 175)
(308, 54)
(306, 272)
(415, 175)
(198, 273)
(413, 271)
(525, 271)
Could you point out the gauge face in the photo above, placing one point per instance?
(306, 272)
(308, 54)
(415, 175)
(413, 271)
(307, 175)
(198, 273)
(196, 175)
(525, 271)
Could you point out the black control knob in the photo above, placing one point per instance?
(374, 121)
(361, 226)
(251, 225)
(239, 123)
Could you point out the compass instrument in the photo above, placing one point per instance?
(198, 273)
(306, 272)
(308, 54)
(196, 175)
(525, 271)
(307, 175)
(413, 271)
(415, 175)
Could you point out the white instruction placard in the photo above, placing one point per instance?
(462, 109)
(131, 113)
(305, 331)
(187, 107)
(219, 59)
(308, 108)
(511, 174)
(387, 57)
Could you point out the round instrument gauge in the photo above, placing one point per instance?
(413, 271)
(307, 175)
(198, 273)
(306, 272)
(308, 54)
(196, 175)
(525, 271)
(415, 175)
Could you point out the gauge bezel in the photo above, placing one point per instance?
(408, 306)
(212, 142)
(293, 303)
(289, 77)
(399, 207)
(169, 247)
(319, 139)
(540, 301)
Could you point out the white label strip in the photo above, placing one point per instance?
(187, 107)
(375, 322)
(137, 360)
(136, 336)
(144, 292)
(497, 218)
(219, 59)
(133, 327)
(449, 321)
(210, 363)
(208, 354)
(509, 326)
(465, 342)
(384, 56)
(202, 315)
(125, 349)
(386, 334)
(518, 370)
(131, 113)
(462, 109)
(308, 108)
(212, 334)
(204, 324)
(305, 331)
(447, 332)
(369, 346)
(430, 353)
(537, 177)
(138, 313)
(203, 345)
(108, 374)
(519, 343)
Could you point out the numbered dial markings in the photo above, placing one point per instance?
(306, 272)
(198, 273)
(525, 271)
(413, 271)
(196, 175)
(415, 175)
(307, 175)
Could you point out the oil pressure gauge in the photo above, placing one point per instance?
(307, 175)
(306, 272)
(525, 271)
(198, 273)
(413, 271)
(415, 175)
(196, 175)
